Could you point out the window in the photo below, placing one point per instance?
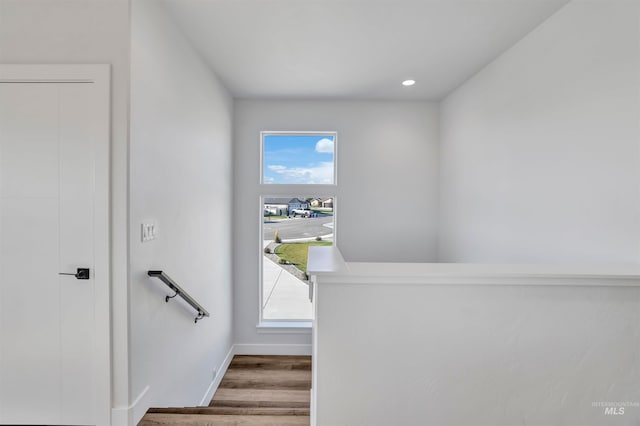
(290, 225)
(301, 169)
(292, 158)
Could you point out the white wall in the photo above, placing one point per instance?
(86, 31)
(476, 345)
(181, 123)
(386, 195)
(539, 151)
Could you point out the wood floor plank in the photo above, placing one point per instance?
(266, 379)
(289, 362)
(159, 419)
(231, 397)
(250, 411)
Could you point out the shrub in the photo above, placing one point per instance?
(276, 238)
(282, 262)
(267, 250)
(318, 238)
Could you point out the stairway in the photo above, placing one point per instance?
(255, 391)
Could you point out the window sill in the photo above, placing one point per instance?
(284, 327)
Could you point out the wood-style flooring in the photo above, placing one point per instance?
(255, 391)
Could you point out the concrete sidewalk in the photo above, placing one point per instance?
(284, 296)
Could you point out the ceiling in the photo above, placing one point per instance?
(353, 49)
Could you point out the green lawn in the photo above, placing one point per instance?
(296, 253)
(324, 212)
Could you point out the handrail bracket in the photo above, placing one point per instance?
(167, 298)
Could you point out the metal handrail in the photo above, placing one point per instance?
(202, 312)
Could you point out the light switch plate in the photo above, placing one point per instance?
(149, 231)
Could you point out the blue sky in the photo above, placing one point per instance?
(298, 159)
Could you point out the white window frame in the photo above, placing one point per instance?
(275, 190)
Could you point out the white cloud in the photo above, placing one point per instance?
(325, 146)
(321, 174)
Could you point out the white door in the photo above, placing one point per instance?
(54, 329)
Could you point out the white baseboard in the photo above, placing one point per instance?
(219, 375)
(121, 416)
(271, 349)
(125, 415)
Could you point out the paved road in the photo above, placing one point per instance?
(298, 227)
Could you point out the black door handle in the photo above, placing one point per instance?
(82, 274)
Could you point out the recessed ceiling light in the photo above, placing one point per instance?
(408, 82)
